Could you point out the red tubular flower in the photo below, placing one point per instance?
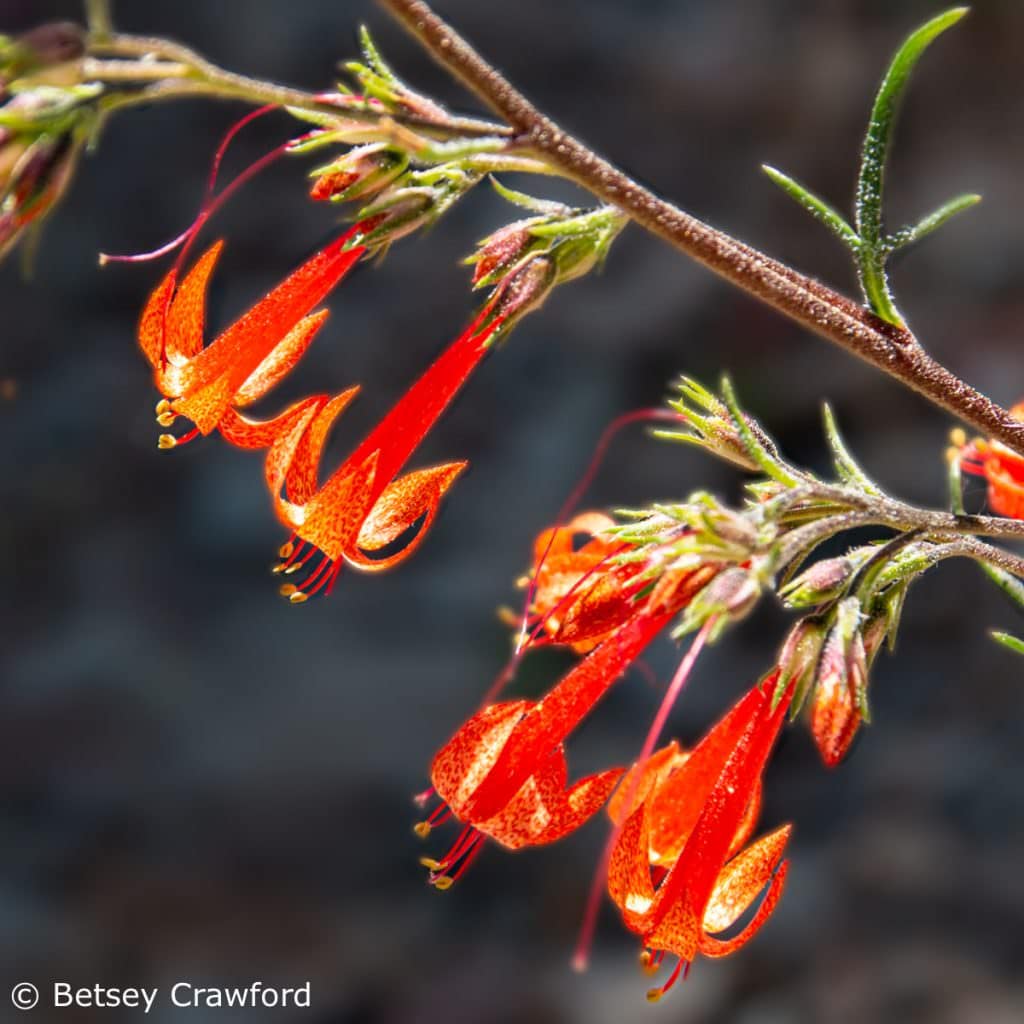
(1001, 467)
(207, 385)
(579, 595)
(503, 773)
(363, 508)
(704, 891)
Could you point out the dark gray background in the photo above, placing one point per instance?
(198, 781)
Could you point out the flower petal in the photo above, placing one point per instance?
(301, 480)
(743, 878)
(404, 502)
(186, 318)
(464, 761)
(710, 946)
(152, 323)
(281, 360)
(241, 432)
(629, 873)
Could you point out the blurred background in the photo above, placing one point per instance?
(198, 781)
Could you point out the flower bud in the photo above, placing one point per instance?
(502, 250)
(524, 289)
(32, 179)
(42, 47)
(398, 213)
(821, 582)
(362, 172)
(840, 696)
(798, 660)
(730, 595)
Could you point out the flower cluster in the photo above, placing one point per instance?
(43, 126)
(677, 870)
(367, 513)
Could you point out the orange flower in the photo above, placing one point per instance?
(580, 594)
(1001, 467)
(208, 385)
(707, 886)
(363, 509)
(504, 773)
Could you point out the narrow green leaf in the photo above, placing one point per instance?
(1014, 643)
(818, 208)
(1012, 587)
(769, 464)
(372, 55)
(870, 181)
(527, 202)
(847, 468)
(914, 233)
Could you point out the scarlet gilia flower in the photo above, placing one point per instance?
(1001, 467)
(207, 385)
(579, 592)
(503, 774)
(693, 814)
(365, 507)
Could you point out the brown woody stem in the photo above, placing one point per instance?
(833, 316)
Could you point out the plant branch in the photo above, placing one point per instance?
(835, 317)
(143, 54)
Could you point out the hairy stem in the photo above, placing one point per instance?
(207, 79)
(891, 349)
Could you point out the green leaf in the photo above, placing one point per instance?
(874, 157)
(769, 464)
(818, 208)
(543, 206)
(914, 233)
(846, 466)
(1012, 587)
(372, 56)
(1014, 643)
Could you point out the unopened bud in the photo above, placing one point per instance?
(821, 582)
(798, 660)
(734, 592)
(502, 250)
(398, 213)
(524, 290)
(362, 172)
(840, 696)
(42, 47)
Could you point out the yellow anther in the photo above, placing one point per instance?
(166, 419)
(285, 550)
(647, 964)
(162, 406)
(654, 995)
(430, 864)
(288, 570)
(958, 437)
(298, 597)
(952, 454)
(165, 441)
(287, 589)
(523, 582)
(277, 570)
(443, 882)
(422, 829)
